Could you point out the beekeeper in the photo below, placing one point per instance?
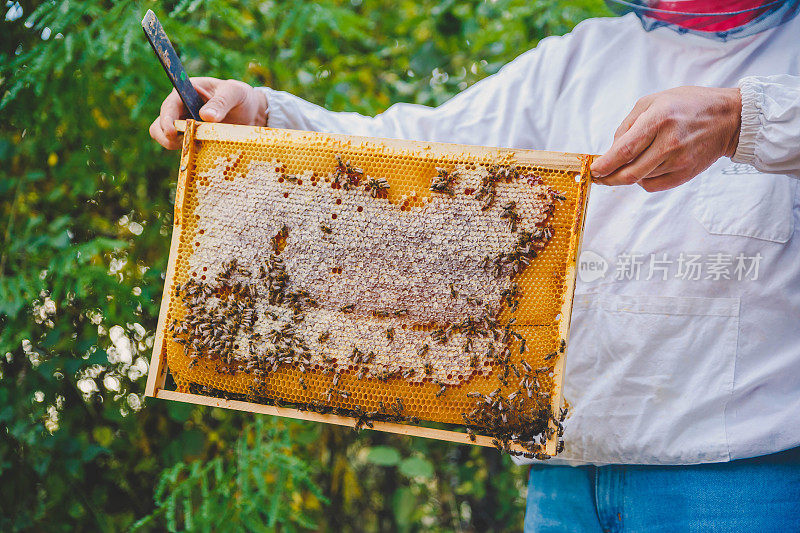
(685, 341)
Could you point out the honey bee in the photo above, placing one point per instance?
(376, 185)
(489, 351)
(444, 181)
(346, 175)
(453, 293)
(510, 212)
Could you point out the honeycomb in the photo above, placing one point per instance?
(373, 278)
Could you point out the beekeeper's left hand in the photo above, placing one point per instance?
(671, 137)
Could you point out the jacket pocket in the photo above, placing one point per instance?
(649, 378)
(736, 199)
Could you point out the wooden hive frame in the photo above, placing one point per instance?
(198, 133)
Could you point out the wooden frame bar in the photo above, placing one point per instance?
(157, 373)
(288, 412)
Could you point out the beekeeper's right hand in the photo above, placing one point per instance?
(231, 101)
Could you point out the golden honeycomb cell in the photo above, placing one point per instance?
(383, 280)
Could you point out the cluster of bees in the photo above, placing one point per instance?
(348, 176)
(524, 417)
(221, 315)
(254, 317)
(215, 315)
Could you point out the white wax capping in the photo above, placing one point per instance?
(426, 263)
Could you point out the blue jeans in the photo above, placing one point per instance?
(753, 495)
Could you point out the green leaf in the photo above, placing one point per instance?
(179, 411)
(98, 357)
(383, 456)
(103, 435)
(92, 451)
(403, 504)
(416, 467)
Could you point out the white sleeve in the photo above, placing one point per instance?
(770, 134)
(510, 108)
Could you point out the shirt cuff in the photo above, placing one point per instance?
(276, 115)
(752, 100)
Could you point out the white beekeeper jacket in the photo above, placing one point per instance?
(685, 341)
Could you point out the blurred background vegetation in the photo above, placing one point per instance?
(85, 217)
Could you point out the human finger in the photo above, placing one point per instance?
(227, 95)
(667, 181)
(205, 91)
(665, 167)
(157, 133)
(171, 110)
(641, 105)
(644, 165)
(626, 148)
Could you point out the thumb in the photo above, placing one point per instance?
(227, 95)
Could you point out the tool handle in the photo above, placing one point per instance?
(172, 64)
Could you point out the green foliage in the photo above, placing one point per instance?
(251, 488)
(416, 467)
(85, 218)
(383, 456)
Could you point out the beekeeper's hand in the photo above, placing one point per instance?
(671, 137)
(230, 101)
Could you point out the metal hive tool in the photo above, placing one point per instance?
(373, 282)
